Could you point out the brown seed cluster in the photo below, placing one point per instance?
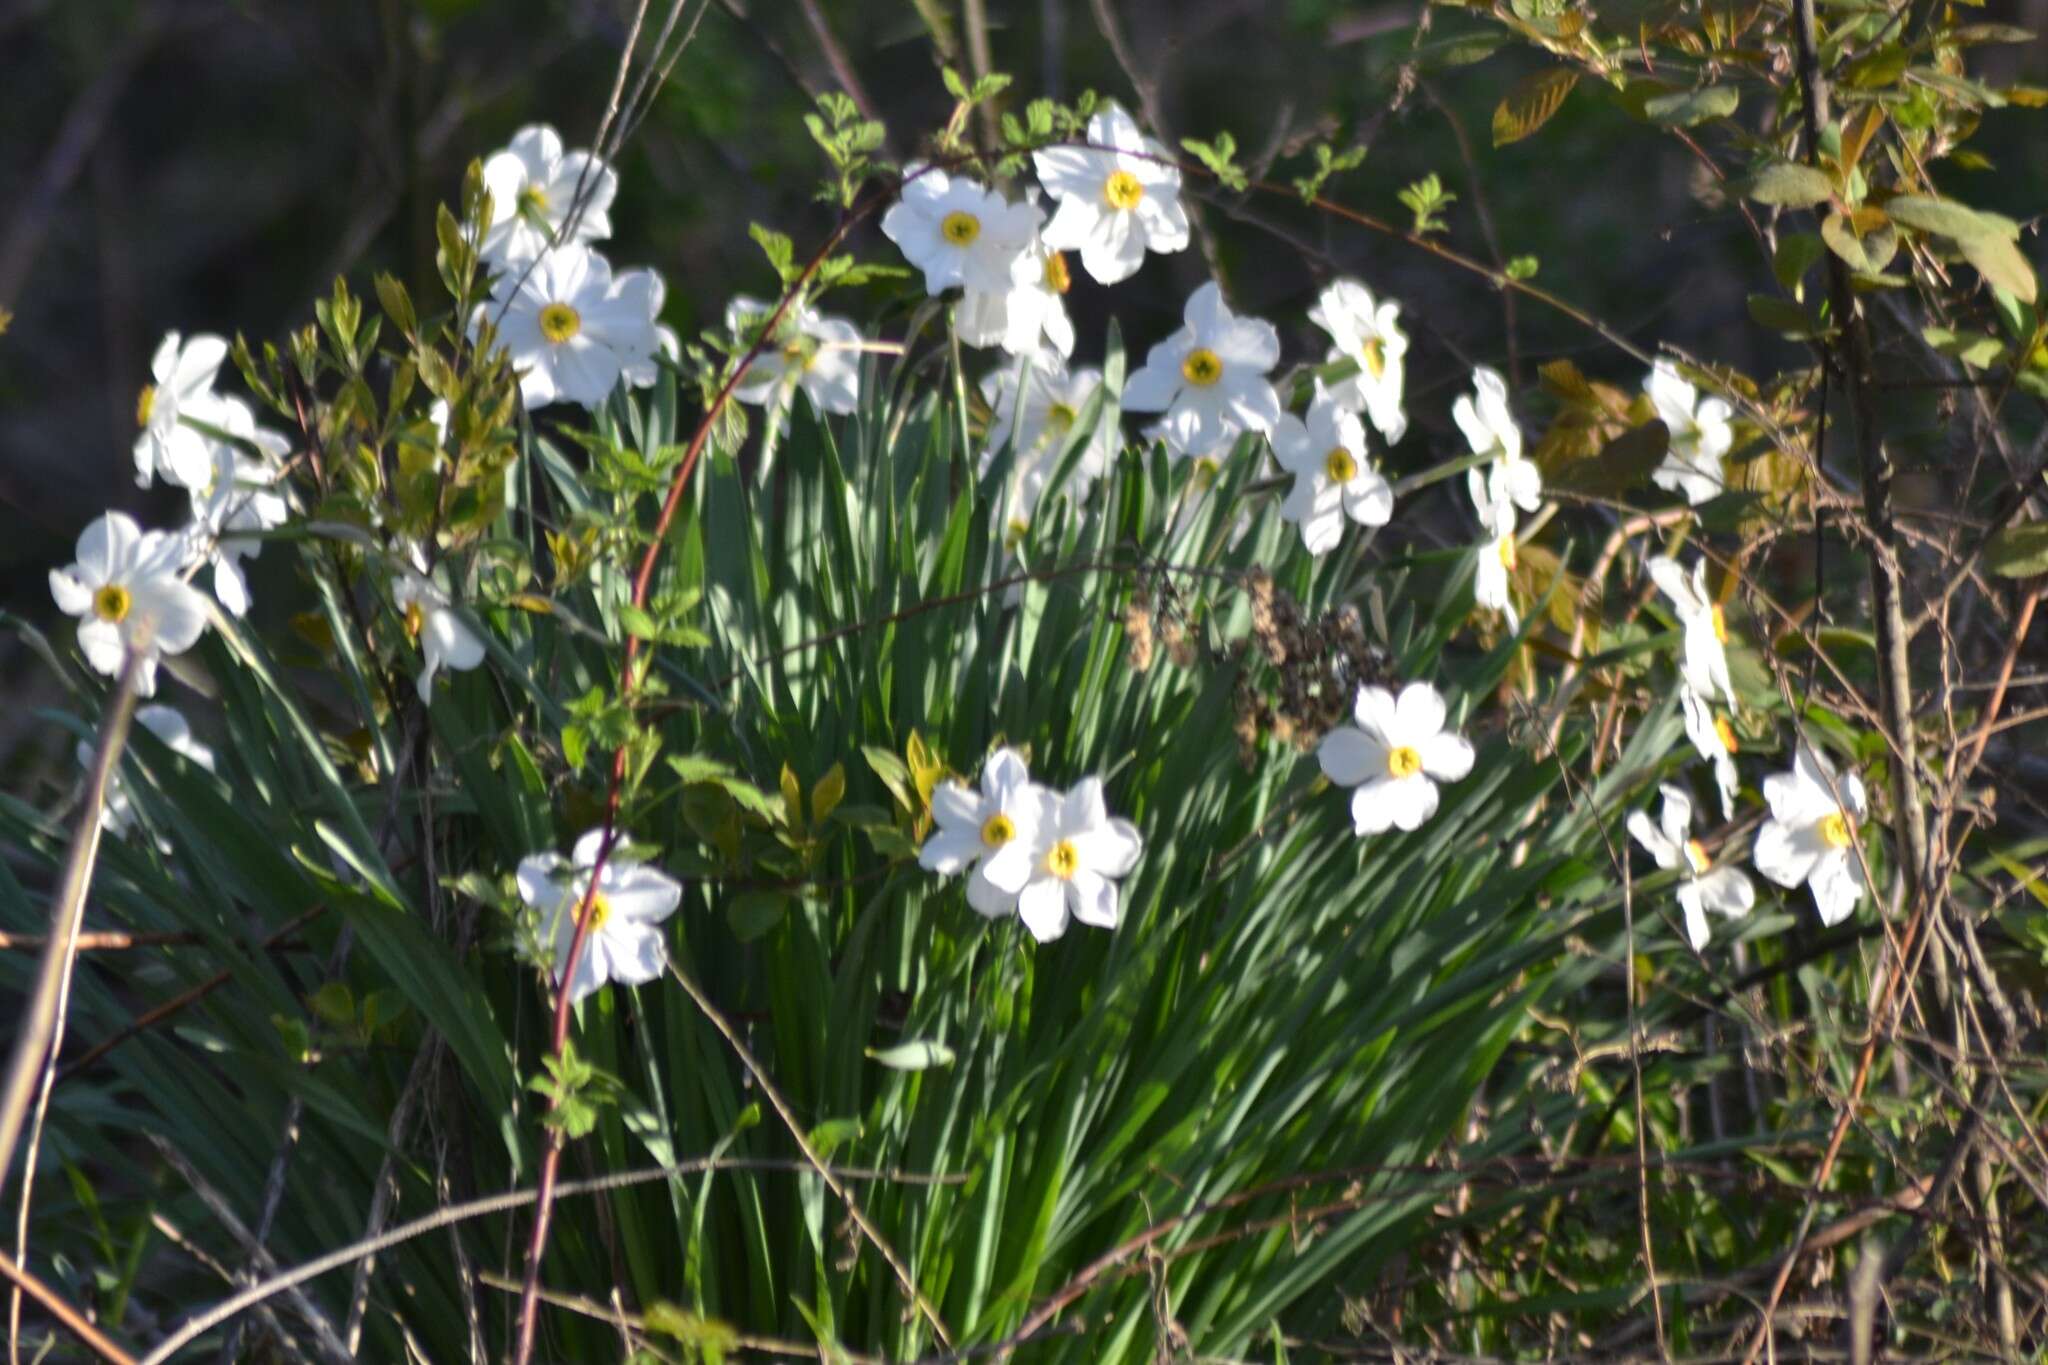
(1317, 666)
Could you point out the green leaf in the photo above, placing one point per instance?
(1947, 218)
(1841, 239)
(1875, 70)
(1796, 253)
(2001, 265)
(1782, 315)
(2018, 551)
(1532, 102)
(1689, 107)
(752, 914)
(1790, 185)
(912, 1056)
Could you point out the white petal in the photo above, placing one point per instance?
(1837, 886)
(1348, 757)
(946, 851)
(1043, 908)
(1786, 853)
(1092, 899)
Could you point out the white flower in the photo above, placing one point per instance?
(1490, 430)
(1496, 552)
(129, 587)
(817, 354)
(1723, 890)
(1811, 837)
(1031, 309)
(117, 816)
(430, 618)
(572, 329)
(959, 232)
(623, 943)
(1209, 378)
(1036, 404)
(1333, 477)
(1705, 627)
(533, 188)
(1698, 438)
(1714, 739)
(1114, 205)
(182, 378)
(1076, 858)
(1369, 335)
(1207, 461)
(993, 833)
(1394, 756)
(241, 493)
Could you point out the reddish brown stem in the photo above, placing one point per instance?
(551, 1158)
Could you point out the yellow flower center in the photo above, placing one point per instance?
(1506, 550)
(559, 322)
(1122, 191)
(600, 910)
(145, 404)
(1403, 761)
(1014, 533)
(1202, 367)
(798, 355)
(1696, 855)
(1063, 862)
(1835, 830)
(1727, 734)
(1339, 465)
(998, 830)
(111, 603)
(1375, 353)
(1057, 277)
(1720, 624)
(1060, 417)
(960, 228)
(1206, 470)
(533, 199)
(415, 619)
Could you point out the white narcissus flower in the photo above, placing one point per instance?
(1713, 737)
(242, 493)
(1699, 436)
(818, 354)
(1367, 333)
(992, 833)
(1394, 757)
(431, 619)
(1036, 404)
(1030, 313)
(1117, 199)
(1496, 562)
(1206, 463)
(959, 232)
(572, 329)
(1811, 836)
(181, 383)
(129, 588)
(533, 189)
(117, 816)
(1077, 857)
(1209, 378)
(624, 942)
(1333, 476)
(1723, 890)
(1490, 430)
(1705, 626)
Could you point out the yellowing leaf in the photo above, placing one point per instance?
(828, 793)
(1531, 103)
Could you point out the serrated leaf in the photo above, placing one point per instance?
(1790, 185)
(1532, 102)
(1688, 107)
(2018, 551)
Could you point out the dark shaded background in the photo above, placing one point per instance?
(201, 165)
